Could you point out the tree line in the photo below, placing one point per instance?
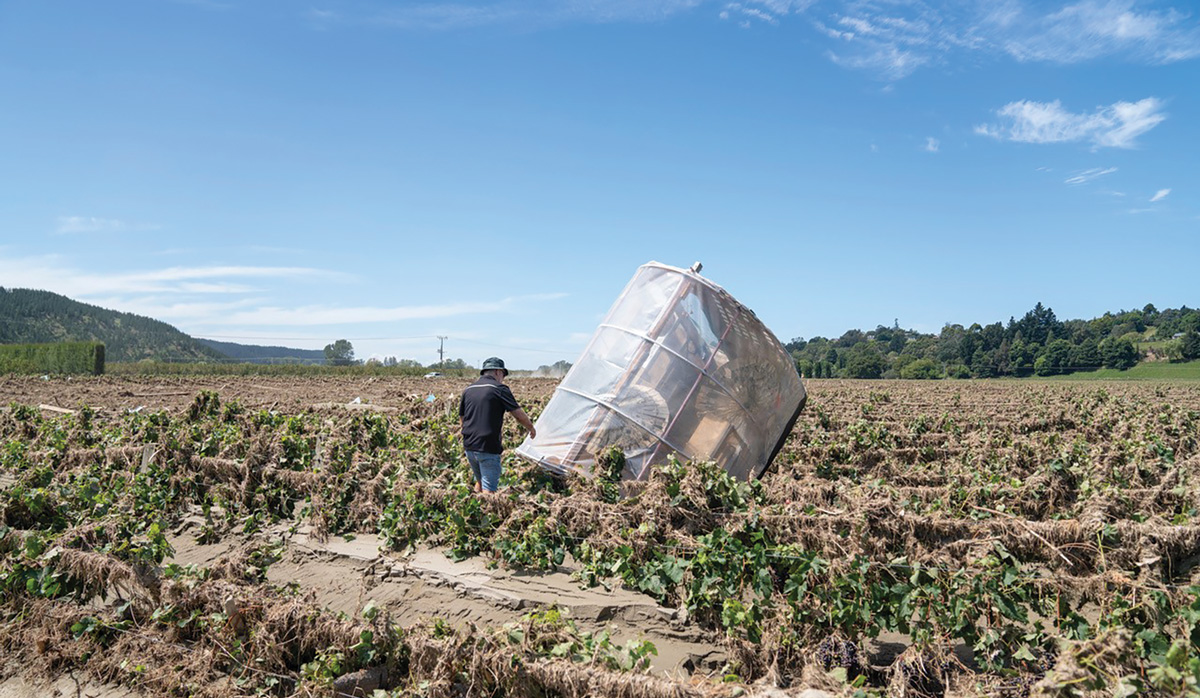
(29, 316)
(1037, 344)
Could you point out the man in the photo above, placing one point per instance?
(481, 418)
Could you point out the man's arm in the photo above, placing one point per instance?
(524, 420)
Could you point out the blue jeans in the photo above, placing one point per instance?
(486, 469)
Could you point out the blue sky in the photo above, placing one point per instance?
(281, 172)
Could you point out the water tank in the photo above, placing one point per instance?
(678, 366)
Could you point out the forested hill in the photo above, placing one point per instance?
(254, 354)
(29, 316)
(1037, 344)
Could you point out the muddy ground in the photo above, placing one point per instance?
(922, 444)
(344, 574)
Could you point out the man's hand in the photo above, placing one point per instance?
(524, 420)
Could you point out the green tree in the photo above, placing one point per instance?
(1086, 356)
(340, 353)
(958, 371)
(921, 369)
(1189, 345)
(901, 361)
(1038, 324)
(1054, 359)
(851, 338)
(951, 343)
(1118, 353)
(804, 367)
(1021, 356)
(983, 363)
(864, 361)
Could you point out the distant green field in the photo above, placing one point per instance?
(1155, 370)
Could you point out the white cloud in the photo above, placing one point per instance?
(891, 38)
(213, 300)
(51, 273)
(171, 312)
(88, 224)
(890, 61)
(768, 11)
(1092, 29)
(932, 144)
(335, 315)
(1160, 195)
(896, 38)
(1088, 175)
(1114, 126)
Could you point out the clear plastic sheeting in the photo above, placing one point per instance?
(677, 367)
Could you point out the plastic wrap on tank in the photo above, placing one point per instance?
(678, 366)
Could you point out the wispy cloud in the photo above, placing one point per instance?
(891, 38)
(746, 14)
(1088, 175)
(1094, 29)
(173, 312)
(1160, 195)
(53, 274)
(1114, 126)
(153, 293)
(769, 11)
(89, 224)
(932, 144)
(340, 315)
(67, 225)
(896, 38)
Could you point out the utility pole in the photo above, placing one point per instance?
(441, 351)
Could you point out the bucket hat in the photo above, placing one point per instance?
(493, 364)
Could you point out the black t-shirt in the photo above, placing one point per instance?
(482, 407)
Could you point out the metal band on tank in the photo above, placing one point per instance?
(686, 360)
(630, 418)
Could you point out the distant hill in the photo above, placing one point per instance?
(29, 316)
(254, 354)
